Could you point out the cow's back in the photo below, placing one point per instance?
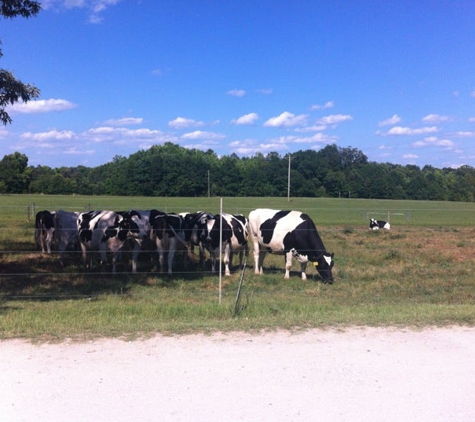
(270, 226)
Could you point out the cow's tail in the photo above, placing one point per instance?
(187, 245)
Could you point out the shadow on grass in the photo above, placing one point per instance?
(40, 277)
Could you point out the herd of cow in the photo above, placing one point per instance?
(98, 234)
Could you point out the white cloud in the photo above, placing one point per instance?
(465, 134)
(333, 119)
(400, 130)
(265, 91)
(198, 134)
(75, 151)
(94, 7)
(410, 156)
(286, 119)
(122, 135)
(436, 118)
(236, 92)
(328, 104)
(245, 147)
(391, 121)
(42, 106)
(319, 138)
(125, 121)
(51, 135)
(307, 129)
(433, 141)
(184, 123)
(247, 119)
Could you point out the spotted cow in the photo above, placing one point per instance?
(289, 233)
(66, 233)
(168, 233)
(195, 230)
(108, 231)
(44, 230)
(378, 224)
(234, 238)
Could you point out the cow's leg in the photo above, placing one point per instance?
(49, 240)
(114, 263)
(228, 258)
(84, 254)
(62, 253)
(213, 254)
(260, 261)
(160, 254)
(246, 251)
(43, 242)
(258, 258)
(103, 255)
(135, 256)
(288, 264)
(171, 253)
(202, 253)
(241, 257)
(303, 267)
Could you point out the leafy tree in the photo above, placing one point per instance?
(13, 173)
(13, 90)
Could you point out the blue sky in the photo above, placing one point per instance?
(393, 79)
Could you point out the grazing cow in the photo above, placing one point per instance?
(65, 232)
(289, 233)
(378, 224)
(108, 231)
(44, 230)
(168, 233)
(234, 238)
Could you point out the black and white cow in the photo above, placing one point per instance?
(65, 232)
(44, 230)
(108, 231)
(289, 233)
(378, 224)
(168, 233)
(234, 239)
(195, 231)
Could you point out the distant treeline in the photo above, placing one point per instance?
(170, 170)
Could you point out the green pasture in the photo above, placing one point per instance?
(418, 274)
(324, 211)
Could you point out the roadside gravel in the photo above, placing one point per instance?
(357, 374)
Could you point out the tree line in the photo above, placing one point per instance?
(171, 170)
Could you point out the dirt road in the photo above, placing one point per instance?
(353, 375)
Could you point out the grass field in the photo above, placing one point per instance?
(420, 273)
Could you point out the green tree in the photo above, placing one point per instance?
(13, 173)
(13, 90)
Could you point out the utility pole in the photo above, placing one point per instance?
(209, 193)
(288, 182)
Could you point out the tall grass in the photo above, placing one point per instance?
(414, 275)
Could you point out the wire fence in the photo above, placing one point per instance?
(21, 262)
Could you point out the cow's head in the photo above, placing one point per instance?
(322, 261)
(324, 264)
